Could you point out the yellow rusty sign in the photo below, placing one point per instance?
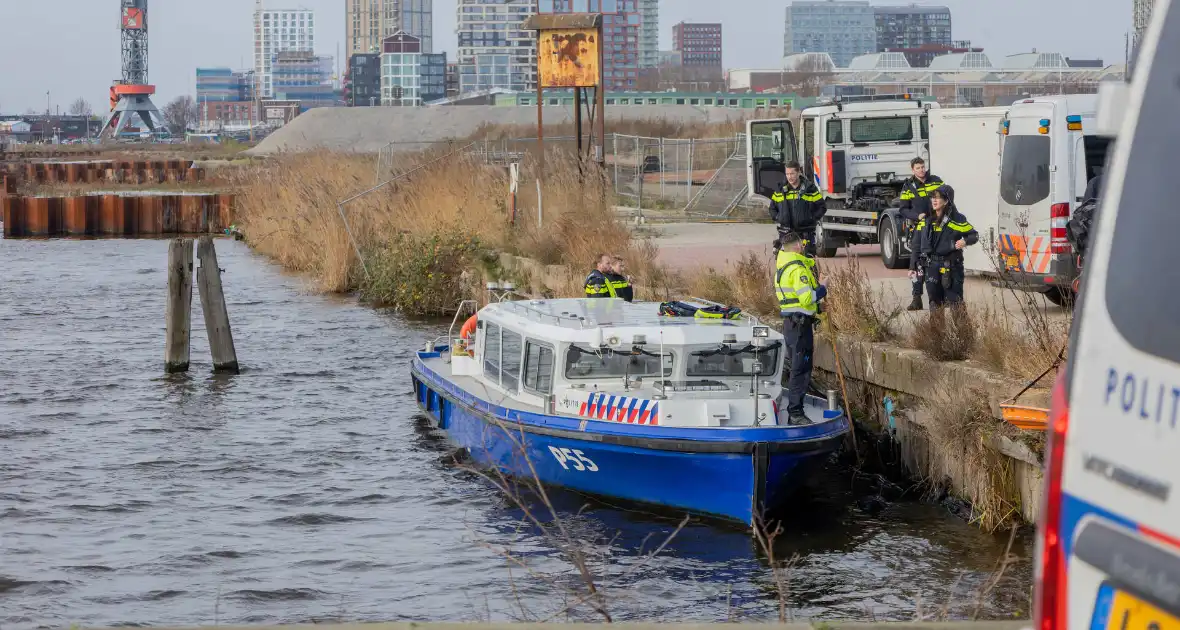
(569, 58)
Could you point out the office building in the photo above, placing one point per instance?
(433, 77)
(699, 45)
(225, 97)
(277, 31)
(494, 52)
(843, 29)
(452, 79)
(369, 22)
(912, 27)
(623, 32)
(362, 81)
(303, 76)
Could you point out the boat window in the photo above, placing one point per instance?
(491, 352)
(722, 361)
(585, 362)
(538, 368)
(511, 346)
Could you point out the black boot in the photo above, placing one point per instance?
(798, 419)
(916, 304)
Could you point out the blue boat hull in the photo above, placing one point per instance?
(735, 478)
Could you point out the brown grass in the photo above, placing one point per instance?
(646, 127)
(855, 308)
(960, 429)
(748, 285)
(288, 208)
(946, 334)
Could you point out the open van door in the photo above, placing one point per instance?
(770, 144)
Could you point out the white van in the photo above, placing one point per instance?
(1050, 153)
(1108, 552)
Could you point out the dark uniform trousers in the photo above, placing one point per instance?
(799, 349)
(944, 282)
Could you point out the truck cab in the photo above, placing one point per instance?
(857, 151)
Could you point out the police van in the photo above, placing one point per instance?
(857, 151)
(1050, 152)
(1108, 553)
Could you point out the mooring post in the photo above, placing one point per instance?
(178, 312)
(221, 339)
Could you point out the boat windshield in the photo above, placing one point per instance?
(733, 361)
(584, 362)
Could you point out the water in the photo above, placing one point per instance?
(308, 488)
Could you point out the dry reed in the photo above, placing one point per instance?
(946, 334)
(961, 426)
(854, 307)
(289, 209)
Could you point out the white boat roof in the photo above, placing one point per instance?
(598, 321)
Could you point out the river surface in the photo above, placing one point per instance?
(308, 488)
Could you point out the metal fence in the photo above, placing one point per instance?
(667, 172)
(700, 177)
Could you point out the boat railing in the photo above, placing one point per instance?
(450, 336)
(527, 311)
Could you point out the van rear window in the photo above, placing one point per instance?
(1024, 173)
(882, 129)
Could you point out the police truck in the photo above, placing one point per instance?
(857, 151)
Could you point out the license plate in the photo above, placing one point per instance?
(1128, 612)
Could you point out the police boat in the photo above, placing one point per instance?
(631, 401)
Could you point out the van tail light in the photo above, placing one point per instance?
(1049, 612)
(1057, 226)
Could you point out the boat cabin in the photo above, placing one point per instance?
(613, 361)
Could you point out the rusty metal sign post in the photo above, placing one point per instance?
(570, 55)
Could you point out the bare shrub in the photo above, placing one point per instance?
(854, 307)
(945, 334)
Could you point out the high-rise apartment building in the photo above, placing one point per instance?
(277, 31)
(699, 45)
(912, 27)
(842, 28)
(649, 33)
(303, 76)
(494, 52)
(369, 22)
(625, 34)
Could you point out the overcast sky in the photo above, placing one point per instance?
(70, 48)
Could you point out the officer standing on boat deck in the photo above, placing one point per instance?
(598, 283)
(798, 207)
(915, 206)
(799, 294)
(619, 280)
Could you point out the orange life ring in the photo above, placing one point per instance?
(468, 329)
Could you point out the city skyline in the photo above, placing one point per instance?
(214, 33)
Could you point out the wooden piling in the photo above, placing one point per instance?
(221, 339)
(180, 301)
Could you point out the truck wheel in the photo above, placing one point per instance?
(1060, 296)
(824, 247)
(891, 246)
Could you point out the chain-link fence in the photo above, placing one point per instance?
(700, 177)
(677, 174)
